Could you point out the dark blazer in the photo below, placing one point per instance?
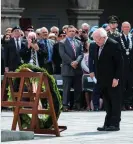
(25, 53)
(67, 56)
(57, 61)
(127, 58)
(12, 57)
(110, 63)
(91, 57)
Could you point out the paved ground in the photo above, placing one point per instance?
(81, 129)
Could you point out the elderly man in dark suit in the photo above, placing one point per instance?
(47, 45)
(12, 57)
(126, 42)
(109, 66)
(71, 53)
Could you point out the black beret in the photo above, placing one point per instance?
(62, 32)
(113, 19)
(16, 27)
(29, 27)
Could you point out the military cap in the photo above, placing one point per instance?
(29, 27)
(16, 27)
(113, 19)
(62, 32)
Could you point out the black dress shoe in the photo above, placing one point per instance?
(112, 128)
(102, 128)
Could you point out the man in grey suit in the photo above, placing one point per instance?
(71, 52)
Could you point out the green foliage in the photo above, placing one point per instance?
(45, 121)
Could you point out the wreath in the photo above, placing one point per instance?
(45, 121)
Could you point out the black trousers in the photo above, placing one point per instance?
(112, 103)
(76, 83)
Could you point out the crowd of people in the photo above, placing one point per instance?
(73, 52)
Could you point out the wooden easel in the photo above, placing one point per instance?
(19, 105)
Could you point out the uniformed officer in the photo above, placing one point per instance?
(113, 24)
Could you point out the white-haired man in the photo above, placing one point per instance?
(31, 52)
(47, 45)
(126, 42)
(85, 27)
(108, 69)
(54, 30)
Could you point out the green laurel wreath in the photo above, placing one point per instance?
(45, 121)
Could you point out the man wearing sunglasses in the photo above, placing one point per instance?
(113, 24)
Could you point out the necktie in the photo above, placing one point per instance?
(127, 41)
(99, 52)
(48, 49)
(18, 48)
(73, 46)
(34, 57)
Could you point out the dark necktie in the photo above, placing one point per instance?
(33, 56)
(127, 41)
(18, 48)
(48, 50)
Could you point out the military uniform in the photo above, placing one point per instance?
(113, 34)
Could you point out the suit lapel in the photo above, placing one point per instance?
(70, 47)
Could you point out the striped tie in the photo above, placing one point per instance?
(73, 46)
(34, 57)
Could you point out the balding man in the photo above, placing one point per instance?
(126, 42)
(108, 67)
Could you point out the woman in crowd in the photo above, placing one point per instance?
(84, 65)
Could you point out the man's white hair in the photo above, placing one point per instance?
(44, 28)
(85, 24)
(38, 31)
(32, 34)
(126, 22)
(100, 32)
(54, 27)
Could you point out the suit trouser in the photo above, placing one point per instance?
(112, 101)
(96, 96)
(68, 82)
(128, 88)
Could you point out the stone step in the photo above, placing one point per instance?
(7, 135)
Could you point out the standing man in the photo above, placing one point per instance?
(12, 57)
(47, 45)
(113, 24)
(109, 66)
(126, 42)
(71, 52)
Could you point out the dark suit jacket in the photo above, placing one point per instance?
(12, 57)
(110, 63)
(67, 56)
(128, 59)
(57, 61)
(25, 53)
(92, 57)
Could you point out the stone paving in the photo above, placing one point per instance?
(81, 129)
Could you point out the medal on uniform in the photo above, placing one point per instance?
(124, 47)
(127, 53)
